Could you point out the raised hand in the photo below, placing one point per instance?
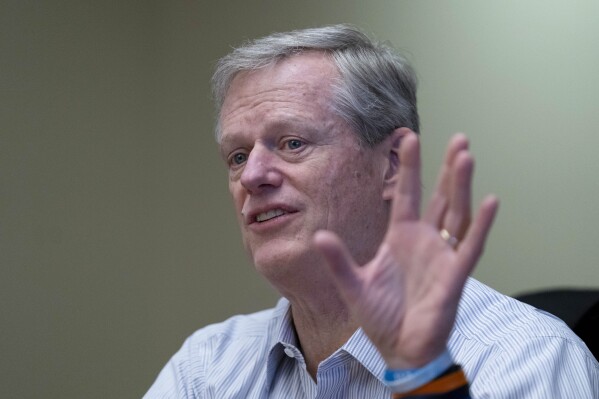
(407, 296)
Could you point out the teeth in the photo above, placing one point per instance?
(269, 215)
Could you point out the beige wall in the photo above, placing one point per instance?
(117, 238)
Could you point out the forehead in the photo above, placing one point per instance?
(295, 88)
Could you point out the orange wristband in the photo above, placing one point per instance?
(446, 383)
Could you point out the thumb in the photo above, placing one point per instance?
(342, 266)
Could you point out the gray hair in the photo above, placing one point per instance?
(377, 90)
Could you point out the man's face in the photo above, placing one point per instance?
(295, 167)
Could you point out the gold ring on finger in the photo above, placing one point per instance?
(449, 239)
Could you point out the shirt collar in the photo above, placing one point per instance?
(363, 350)
(282, 333)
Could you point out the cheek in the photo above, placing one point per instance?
(348, 187)
(238, 201)
(333, 184)
(236, 195)
(356, 176)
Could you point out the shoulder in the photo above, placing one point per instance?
(207, 355)
(227, 340)
(499, 338)
(489, 317)
(236, 328)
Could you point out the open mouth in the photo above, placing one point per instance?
(264, 216)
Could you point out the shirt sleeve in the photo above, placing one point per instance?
(540, 367)
(174, 379)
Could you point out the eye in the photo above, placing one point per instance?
(294, 144)
(238, 158)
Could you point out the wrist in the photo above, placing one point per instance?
(404, 380)
(452, 383)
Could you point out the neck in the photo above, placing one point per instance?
(322, 321)
(322, 327)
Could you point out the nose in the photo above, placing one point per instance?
(260, 171)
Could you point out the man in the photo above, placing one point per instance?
(317, 129)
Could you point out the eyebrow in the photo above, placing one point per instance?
(292, 123)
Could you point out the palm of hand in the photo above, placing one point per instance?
(406, 297)
(404, 301)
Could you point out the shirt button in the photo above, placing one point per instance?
(289, 352)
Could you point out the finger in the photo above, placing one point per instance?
(472, 246)
(341, 264)
(457, 217)
(406, 201)
(437, 206)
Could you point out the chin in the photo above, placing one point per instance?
(280, 262)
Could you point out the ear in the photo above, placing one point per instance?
(393, 143)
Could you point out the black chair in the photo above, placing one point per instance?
(587, 329)
(578, 308)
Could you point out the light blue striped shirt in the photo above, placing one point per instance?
(507, 349)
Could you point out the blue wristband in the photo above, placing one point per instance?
(404, 380)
